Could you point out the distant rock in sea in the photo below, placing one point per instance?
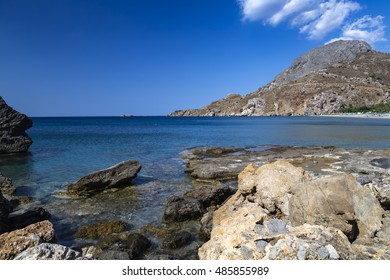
(322, 81)
(13, 138)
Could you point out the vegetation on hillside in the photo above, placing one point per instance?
(378, 108)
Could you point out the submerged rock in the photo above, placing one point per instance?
(6, 186)
(13, 138)
(29, 217)
(181, 209)
(116, 176)
(101, 229)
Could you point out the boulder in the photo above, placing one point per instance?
(47, 251)
(270, 185)
(336, 201)
(5, 209)
(181, 209)
(13, 138)
(137, 245)
(15, 242)
(116, 176)
(6, 186)
(29, 217)
(177, 240)
(210, 195)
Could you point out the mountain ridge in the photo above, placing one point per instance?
(323, 80)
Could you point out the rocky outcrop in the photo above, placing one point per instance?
(48, 251)
(181, 209)
(6, 186)
(337, 201)
(280, 211)
(13, 138)
(116, 176)
(321, 81)
(15, 242)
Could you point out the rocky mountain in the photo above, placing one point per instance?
(322, 81)
(13, 138)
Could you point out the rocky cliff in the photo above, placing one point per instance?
(13, 138)
(322, 81)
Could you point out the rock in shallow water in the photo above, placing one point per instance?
(13, 138)
(116, 176)
(181, 209)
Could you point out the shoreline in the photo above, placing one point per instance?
(361, 115)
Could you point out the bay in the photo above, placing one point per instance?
(65, 149)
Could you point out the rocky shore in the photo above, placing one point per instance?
(13, 126)
(268, 202)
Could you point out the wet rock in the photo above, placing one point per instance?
(13, 138)
(6, 186)
(20, 200)
(29, 217)
(177, 240)
(381, 162)
(210, 195)
(101, 229)
(181, 209)
(15, 242)
(5, 207)
(336, 201)
(116, 176)
(47, 251)
(137, 245)
(114, 255)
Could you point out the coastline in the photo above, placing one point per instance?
(362, 115)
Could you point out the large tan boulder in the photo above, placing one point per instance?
(336, 201)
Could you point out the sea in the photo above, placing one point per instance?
(67, 148)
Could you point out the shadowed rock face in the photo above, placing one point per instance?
(13, 138)
(116, 176)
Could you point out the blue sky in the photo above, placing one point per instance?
(90, 58)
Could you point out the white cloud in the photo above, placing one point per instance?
(332, 15)
(315, 18)
(367, 28)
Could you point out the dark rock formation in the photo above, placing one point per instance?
(29, 217)
(181, 209)
(6, 186)
(177, 240)
(210, 195)
(116, 176)
(321, 81)
(13, 138)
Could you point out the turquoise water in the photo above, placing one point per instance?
(65, 149)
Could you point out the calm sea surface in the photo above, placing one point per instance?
(65, 149)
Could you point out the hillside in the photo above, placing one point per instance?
(324, 80)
